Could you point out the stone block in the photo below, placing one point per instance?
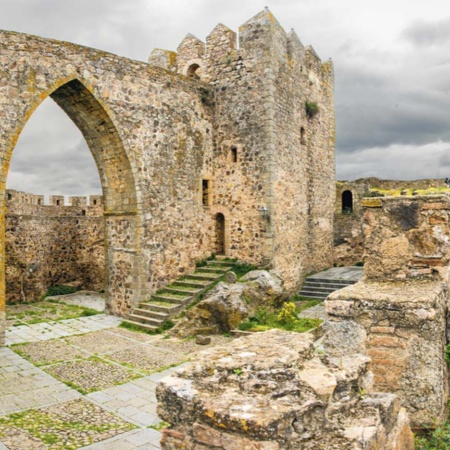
(405, 338)
(268, 391)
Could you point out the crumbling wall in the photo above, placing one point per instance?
(53, 244)
(270, 391)
(397, 313)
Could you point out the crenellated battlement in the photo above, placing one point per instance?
(261, 39)
(14, 197)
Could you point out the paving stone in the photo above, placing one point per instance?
(50, 352)
(100, 342)
(91, 375)
(144, 437)
(146, 358)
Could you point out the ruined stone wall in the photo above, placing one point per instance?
(348, 234)
(53, 244)
(424, 183)
(397, 314)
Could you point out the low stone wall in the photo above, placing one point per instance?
(270, 391)
(53, 244)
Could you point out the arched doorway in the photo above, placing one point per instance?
(347, 202)
(117, 180)
(219, 245)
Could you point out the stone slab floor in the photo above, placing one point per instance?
(84, 383)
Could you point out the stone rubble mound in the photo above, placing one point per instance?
(229, 304)
(271, 391)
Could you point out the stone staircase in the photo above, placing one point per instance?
(321, 288)
(170, 301)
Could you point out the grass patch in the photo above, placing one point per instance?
(159, 426)
(264, 320)
(46, 311)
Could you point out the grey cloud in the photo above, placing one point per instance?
(426, 34)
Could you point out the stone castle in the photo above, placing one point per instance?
(218, 148)
(229, 149)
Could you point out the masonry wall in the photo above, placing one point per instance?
(157, 132)
(53, 244)
(261, 158)
(348, 233)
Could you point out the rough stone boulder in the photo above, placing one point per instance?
(270, 391)
(229, 304)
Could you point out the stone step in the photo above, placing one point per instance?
(218, 269)
(141, 325)
(146, 320)
(315, 294)
(180, 290)
(176, 300)
(160, 307)
(159, 315)
(204, 276)
(217, 263)
(171, 300)
(195, 283)
(330, 281)
(317, 289)
(332, 286)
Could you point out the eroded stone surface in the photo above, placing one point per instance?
(401, 326)
(270, 391)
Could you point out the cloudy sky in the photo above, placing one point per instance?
(391, 58)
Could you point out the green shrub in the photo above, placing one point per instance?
(438, 439)
(59, 290)
(312, 109)
(245, 326)
(287, 314)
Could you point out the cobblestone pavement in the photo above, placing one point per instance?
(36, 394)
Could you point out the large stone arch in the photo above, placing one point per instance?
(117, 180)
(151, 134)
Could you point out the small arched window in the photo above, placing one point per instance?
(192, 71)
(302, 136)
(234, 154)
(347, 202)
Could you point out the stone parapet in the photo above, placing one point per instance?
(270, 391)
(401, 326)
